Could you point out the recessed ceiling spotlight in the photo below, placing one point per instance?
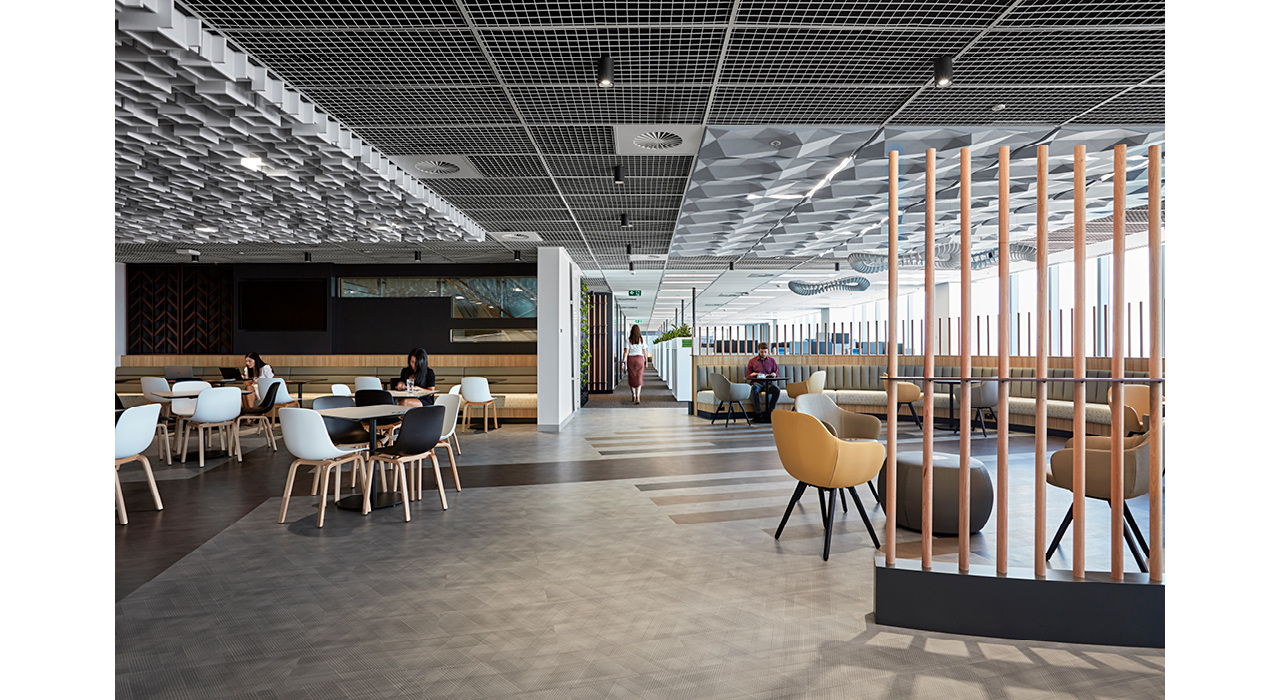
(942, 71)
(998, 108)
(604, 71)
(619, 174)
(251, 162)
(775, 144)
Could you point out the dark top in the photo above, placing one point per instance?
(425, 378)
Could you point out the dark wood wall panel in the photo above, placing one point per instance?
(175, 309)
(602, 374)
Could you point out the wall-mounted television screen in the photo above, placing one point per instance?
(284, 304)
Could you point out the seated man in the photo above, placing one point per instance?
(763, 366)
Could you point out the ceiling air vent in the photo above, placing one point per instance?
(658, 140)
(436, 167)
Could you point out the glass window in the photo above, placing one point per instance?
(473, 297)
(494, 335)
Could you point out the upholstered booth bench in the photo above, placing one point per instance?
(513, 379)
(854, 382)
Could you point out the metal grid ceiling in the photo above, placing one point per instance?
(510, 86)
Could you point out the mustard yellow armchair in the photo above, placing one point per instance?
(1097, 483)
(816, 382)
(815, 457)
(846, 425)
(907, 394)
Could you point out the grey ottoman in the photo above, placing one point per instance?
(946, 492)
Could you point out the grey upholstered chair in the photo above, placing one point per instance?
(726, 391)
(984, 398)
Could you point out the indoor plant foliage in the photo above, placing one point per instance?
(584, 325)
(681, 332)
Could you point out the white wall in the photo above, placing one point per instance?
(558, 280)
(122, 339)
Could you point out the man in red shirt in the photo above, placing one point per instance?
(763, 366)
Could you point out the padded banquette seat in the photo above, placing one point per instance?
(860, 388)
(515, 389)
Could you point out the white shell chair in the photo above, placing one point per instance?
(134, 432)
(475, 392)
(182, 408)
(340, 390)
(451, 403)
(368, 383)
(215, 408)
(150, 385)
(306, 438)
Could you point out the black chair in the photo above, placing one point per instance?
(258, 414)
(342, 431)
(420, 432)
(377, 397)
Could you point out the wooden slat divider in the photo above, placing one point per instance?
(966, 355)
(1155, 364)
(1042, 352)
(926, 486)
(1117, 364)
(890, 496)
(1002, 410)
(1077, 462)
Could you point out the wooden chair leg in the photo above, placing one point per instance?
(151, 481)
(404, 488)
(457, 484)
(435, 465)
(288, 489)
(324, 491)
(121, 515)
(456, 444)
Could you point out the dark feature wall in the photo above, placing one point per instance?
(194, 308)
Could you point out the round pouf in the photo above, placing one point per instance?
(946, 492)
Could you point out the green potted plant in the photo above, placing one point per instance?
(584, 323)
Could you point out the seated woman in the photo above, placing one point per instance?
(254, 369)
(423, 376)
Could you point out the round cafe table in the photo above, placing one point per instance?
(371, 415)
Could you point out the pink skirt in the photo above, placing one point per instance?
(635, 370)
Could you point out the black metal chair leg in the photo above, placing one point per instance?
(718, 407)
(795, 497)
(1133, 548)
(843, 503)
(915, 417)
(982, 422)
(865, 520)
(831, 523)
(1128, 515)
(745, 417)
(1062, 530)
(871, 485)
(822, 505)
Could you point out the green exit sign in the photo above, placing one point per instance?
(633, 292)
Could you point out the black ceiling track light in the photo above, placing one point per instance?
(628, 245)
(837, 267)
(306, 257)
(417, 256)
(604, 71)
(731, 266)
(517, 256)
(626, 220)
(631, 266)
(942, 71)
(619, 174)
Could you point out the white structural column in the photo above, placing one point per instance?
(558, 282)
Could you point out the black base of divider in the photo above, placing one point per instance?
(1057, 608)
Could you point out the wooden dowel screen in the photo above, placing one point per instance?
(1078, 370)
(891, 349)
(966, 357)
(1155, 364)
(1002, 410)
(1042, 352)
(1117, 365)
(926, 486)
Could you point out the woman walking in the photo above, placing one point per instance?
(636, 361)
